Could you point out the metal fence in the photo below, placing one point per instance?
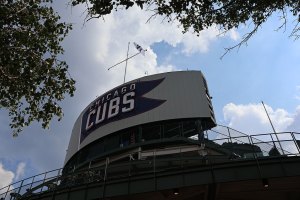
(287, 143)
(35, 183)
(257, 146)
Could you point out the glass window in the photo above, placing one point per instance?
(112, 142)
(125, 139)
(189, 128)
(129, 137)
(96, 149)
(172, 130)
(152, 132)
(83, 155)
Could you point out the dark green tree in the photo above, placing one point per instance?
(33, 80)
(197, 15)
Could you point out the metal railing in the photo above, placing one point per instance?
(14, 190)
(255, 146)
(287, 143)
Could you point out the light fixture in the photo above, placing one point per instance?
(175, 191)
(265, 182)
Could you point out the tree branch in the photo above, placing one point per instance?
(246, 37)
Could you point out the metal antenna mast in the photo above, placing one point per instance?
(126, 61)
(273, 128)
(268, 117)
(127, 58)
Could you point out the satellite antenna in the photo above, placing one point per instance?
(141, 51)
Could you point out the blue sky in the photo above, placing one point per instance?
(267, 69)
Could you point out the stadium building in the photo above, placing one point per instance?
(157, 137)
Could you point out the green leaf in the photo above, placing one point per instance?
(32, 79)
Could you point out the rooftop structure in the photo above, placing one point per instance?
(156, 137)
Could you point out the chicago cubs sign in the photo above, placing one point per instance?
(120, 103)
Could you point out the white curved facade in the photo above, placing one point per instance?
(166, 96)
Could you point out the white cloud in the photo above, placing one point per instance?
(252, 119)
(6, 177)
(20, 170)
(110, 36)
(295, 126)
(193, 44)
(158, 30)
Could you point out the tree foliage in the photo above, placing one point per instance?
(197, 15)
(32, 78)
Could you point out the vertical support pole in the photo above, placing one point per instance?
(126, 61)
(154, 160)
(251, 145)
(130, 164)
(129, 177)
(273, 128)
(295, 141)
(140, 134)
(206, 135)
(7, 191)
(257, 163)
(20, 187)
(154, 169)
(58, 176)
(268, 117)
(229, 134)
(31, 182)
(200, 132)
(44, 181)
(272, 140)
(181, 165)
(106, 165)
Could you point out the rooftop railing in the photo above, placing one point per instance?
(241, 146)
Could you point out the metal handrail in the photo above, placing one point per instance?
(229, 136)
(155, 164)
(17, 186)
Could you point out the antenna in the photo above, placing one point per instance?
(141, 51)
(123, 60)
(273, 129)
(268, 116)
(126, 61)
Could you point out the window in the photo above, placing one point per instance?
(172, 130)
(111, 142)
(188, 128)
(151, 132)
(96, 149)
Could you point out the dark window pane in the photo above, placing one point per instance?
(189, 128)
(172, 130)
(112, 142)
(151, 132)
(96, 149)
